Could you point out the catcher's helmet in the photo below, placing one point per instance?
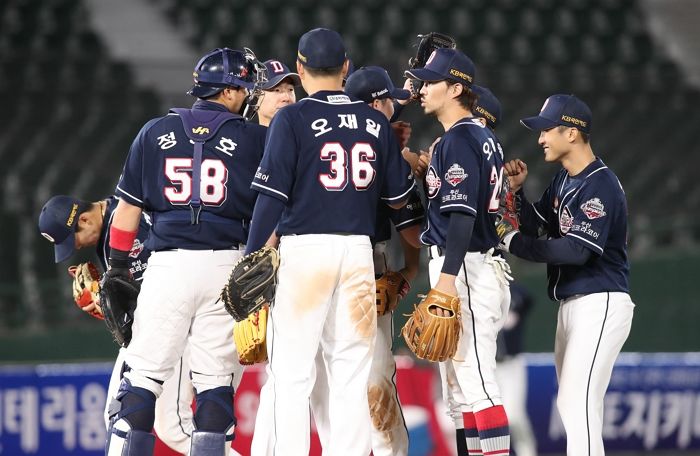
(221, 68)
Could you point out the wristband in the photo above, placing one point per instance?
(120, 239)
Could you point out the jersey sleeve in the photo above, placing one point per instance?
(411, 214)
(398, 182)
(592, 215)
(460, 167)
(275, 175)
(130, 186)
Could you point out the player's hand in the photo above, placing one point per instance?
(402, 130)
(446, 284)
(408, 86)
(516, 170)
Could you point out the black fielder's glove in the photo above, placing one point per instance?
(251, 283)
(426, 45)
(118, 296)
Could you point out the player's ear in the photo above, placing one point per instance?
(300, 70)
(346, 67)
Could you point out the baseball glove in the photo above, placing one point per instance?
(251, 283)
(507, 219)
(431, 336)
(118, 296)
(249, 336)
(426, 45)
(86, 287)
(391, 287)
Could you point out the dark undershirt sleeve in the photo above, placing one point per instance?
(266, 215)
(551, 251)
(459, 235)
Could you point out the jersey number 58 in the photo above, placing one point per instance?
(212, 182)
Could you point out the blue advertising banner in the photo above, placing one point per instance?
(652, 403)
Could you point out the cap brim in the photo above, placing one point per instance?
(274, 82)
(400, 94)
(538, 123)
(423, 74)
(65, 249)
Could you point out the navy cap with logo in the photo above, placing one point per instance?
(561, 109)
(278, 72)
(487, 106)
(321, 48)
(58, 221)
(446, 64)
(373, 83)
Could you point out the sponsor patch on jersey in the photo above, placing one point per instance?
(136, 249)
(433, 182)
(565, 220)
(455, 175)
(593, 208)
(338, 99)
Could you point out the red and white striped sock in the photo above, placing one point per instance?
(471, 434)
(494, 435)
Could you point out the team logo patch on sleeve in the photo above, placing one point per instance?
(455, 174)
(593, 208)
(136, 249)
(566, 221)
(432, 181)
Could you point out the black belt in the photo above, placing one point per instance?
(436, 251)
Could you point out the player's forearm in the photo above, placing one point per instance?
(551, 251)
(411, 257)
(126, 216)
(530, 222)
(266, 215)
(459, 235)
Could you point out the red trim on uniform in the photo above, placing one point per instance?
(497, 453)
(120, 239)
(492, 417)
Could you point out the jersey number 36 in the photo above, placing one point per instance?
(360, 166)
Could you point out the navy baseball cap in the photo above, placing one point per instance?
(278, 72)
(321, 48)
(487, 106)
(58, 221)
(373, 83)
(445, 63)
(560, 109)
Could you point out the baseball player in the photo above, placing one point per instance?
(278, 91)
(322, 176)
(389, 434)
(583, 213)
(191, 170)
(72, 224)
(463, 185)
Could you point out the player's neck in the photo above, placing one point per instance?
(578, 159)
(313, 85)
(449, 117)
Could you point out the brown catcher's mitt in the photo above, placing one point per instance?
(252, 283)
(249, 336)
(391, 287)
(430, 336)
(86, 287)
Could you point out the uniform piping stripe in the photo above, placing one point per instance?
(587, 241)
(595, 171)
(393, 380)
(538, 214)
(254, 184)
(476, 350)
(177, 400)
(408, 221)
(128, 194)
(458, 205)
(590, 373)
(392, 198)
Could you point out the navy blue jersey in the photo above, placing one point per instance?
(465, 175)
(590, 209)
(409, 215)
(138, 256)
(158, 178)
(331, 160)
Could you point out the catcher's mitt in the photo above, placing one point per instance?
(249, 336)
(86, 287)
(251, 283)
(118, 296)
(426, 45)
(391, 287)
(431, 336)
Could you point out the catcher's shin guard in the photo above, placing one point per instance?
(131, 416)
(214, 422)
